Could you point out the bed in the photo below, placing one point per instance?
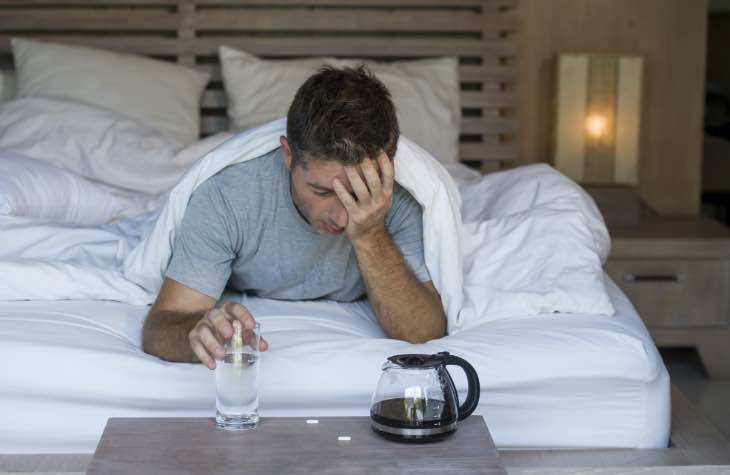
(610, 390)
(550, 379)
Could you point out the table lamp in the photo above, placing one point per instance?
(598, 118)
(597, 129)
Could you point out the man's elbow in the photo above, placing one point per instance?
(424, 337)
(439, 331)
(421, 339)
(427, 333)
(148, 337)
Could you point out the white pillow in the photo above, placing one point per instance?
(533, 244)
(425, 92)
(7, 86)
(96, 143)
(163, 95)
(38, 189)
(521, 189)
(193, 152)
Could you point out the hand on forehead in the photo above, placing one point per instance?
(375, 164)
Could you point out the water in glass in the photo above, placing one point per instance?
(237, 398)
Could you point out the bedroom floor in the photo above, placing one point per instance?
(710, 396)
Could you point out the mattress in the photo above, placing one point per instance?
(547, 381)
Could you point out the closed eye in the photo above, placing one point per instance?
(320, 191)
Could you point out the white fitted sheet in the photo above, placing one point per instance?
(553, 380)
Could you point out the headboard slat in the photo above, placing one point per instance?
(58, 19)
(299, 19)
(289, 46)
(303, 19)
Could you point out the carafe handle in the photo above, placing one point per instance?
(472, 396)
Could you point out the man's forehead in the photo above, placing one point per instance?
(322, 170)
(320, 173)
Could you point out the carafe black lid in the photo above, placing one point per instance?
(416, 361)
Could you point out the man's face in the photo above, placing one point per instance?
(313, 192)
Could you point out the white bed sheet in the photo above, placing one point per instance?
(547, 381)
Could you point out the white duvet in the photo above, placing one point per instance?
(527, 241)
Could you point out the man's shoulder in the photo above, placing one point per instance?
(405, 212)
(240, 186)
(403, 197)
(250, 172)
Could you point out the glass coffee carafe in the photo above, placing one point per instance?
(416, 400)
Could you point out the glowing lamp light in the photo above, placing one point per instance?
(596, 126)
(598, 116)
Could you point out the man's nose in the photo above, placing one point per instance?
(338, 214)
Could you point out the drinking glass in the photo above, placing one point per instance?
(236, 380)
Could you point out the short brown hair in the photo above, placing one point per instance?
(342, 114)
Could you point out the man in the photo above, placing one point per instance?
(319, 217)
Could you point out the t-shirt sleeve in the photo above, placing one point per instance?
(405, 224)
(205, 243)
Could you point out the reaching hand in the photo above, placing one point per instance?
(367, 209)
(209, 335)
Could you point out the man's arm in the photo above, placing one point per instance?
(174, 314)
(182, 325)
(406, 309)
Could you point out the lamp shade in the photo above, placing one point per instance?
(597, 130)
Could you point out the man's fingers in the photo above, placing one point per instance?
(358, 186)
(372, 177)
(221, 324)
(210, 342)
(347, 200)
(249, 338)
(263, 345)
(208, 337)
(236, 311)
(201, 353)
(388, 171)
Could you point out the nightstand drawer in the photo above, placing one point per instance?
(675, 292)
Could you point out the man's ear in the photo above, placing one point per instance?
(286, 152)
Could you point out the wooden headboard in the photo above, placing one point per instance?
(482, 33)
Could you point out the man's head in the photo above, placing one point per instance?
(338, 118)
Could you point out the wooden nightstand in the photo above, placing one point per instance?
(676, 272)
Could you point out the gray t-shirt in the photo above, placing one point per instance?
(241, 228)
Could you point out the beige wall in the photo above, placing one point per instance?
(671, 36)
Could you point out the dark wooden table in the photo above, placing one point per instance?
(286, 445)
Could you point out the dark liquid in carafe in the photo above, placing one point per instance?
(413, 413)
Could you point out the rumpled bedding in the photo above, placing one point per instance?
(521, 242)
